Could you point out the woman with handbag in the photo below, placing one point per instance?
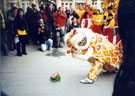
(21, 28)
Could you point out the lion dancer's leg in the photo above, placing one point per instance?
(95, 70)
(92, 75)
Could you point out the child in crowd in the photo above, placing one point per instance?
(73, 25)
(58, 35)
(109, 27)
(46, 43)
(86, 21)
(20, 26)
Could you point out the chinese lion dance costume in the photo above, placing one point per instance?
(96, 49)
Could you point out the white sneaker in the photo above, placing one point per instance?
(51, 49)
(87, 81)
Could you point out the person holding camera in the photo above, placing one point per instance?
(60, 18)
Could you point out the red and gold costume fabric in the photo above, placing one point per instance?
(105, 55)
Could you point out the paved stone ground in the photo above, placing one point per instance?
(29, 75)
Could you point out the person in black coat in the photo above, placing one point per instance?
(28, 17)
(74, 24)
(50, 20)
(11, 10)
(34, 18)
(20, 27)
(125, 80)
(74, 14)
(67, 12)
(10, 27)
(53, 3)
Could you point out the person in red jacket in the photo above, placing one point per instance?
(43, 13)
(60, 18)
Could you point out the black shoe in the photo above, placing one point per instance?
(24, 53)
(5, 54)
(19, 54)
(11, 49)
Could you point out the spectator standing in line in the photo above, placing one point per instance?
(34, 18)
(11, 31)
(53, 4)
(72, 14)
(3, 41)
(86, 21)
(109, 27)
(60, 17)
(50, 20)
(43, 13)
(40, 4)
(109, 10)
(87, 11)
(67, 11)
(73, 25)
(29, 22)
(11, 10)
(97, 22)
(20, 24)
(105, 14)
(80, 12)
(104, 18)
(69, 21)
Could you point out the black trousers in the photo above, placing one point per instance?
(41, 38)
(11, 38)
(50, 30)
(21, 45)
(34, 33)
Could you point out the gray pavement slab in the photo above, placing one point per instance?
(29, 75)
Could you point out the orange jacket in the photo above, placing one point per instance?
(60, 19)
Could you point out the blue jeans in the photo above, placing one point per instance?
(49, 44)
(62, 40)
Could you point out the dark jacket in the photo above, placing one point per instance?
(68, 13)
(72, 26)
(124, 84)
(20, 23)
(35, 16)
(75, 15)
(50, 19)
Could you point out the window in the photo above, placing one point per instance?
(70, 6)
(62, 4)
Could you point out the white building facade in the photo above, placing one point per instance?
(19, 3)
(74, 3)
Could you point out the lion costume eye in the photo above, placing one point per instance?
(83, 42)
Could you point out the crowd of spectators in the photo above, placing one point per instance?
(48, 25)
